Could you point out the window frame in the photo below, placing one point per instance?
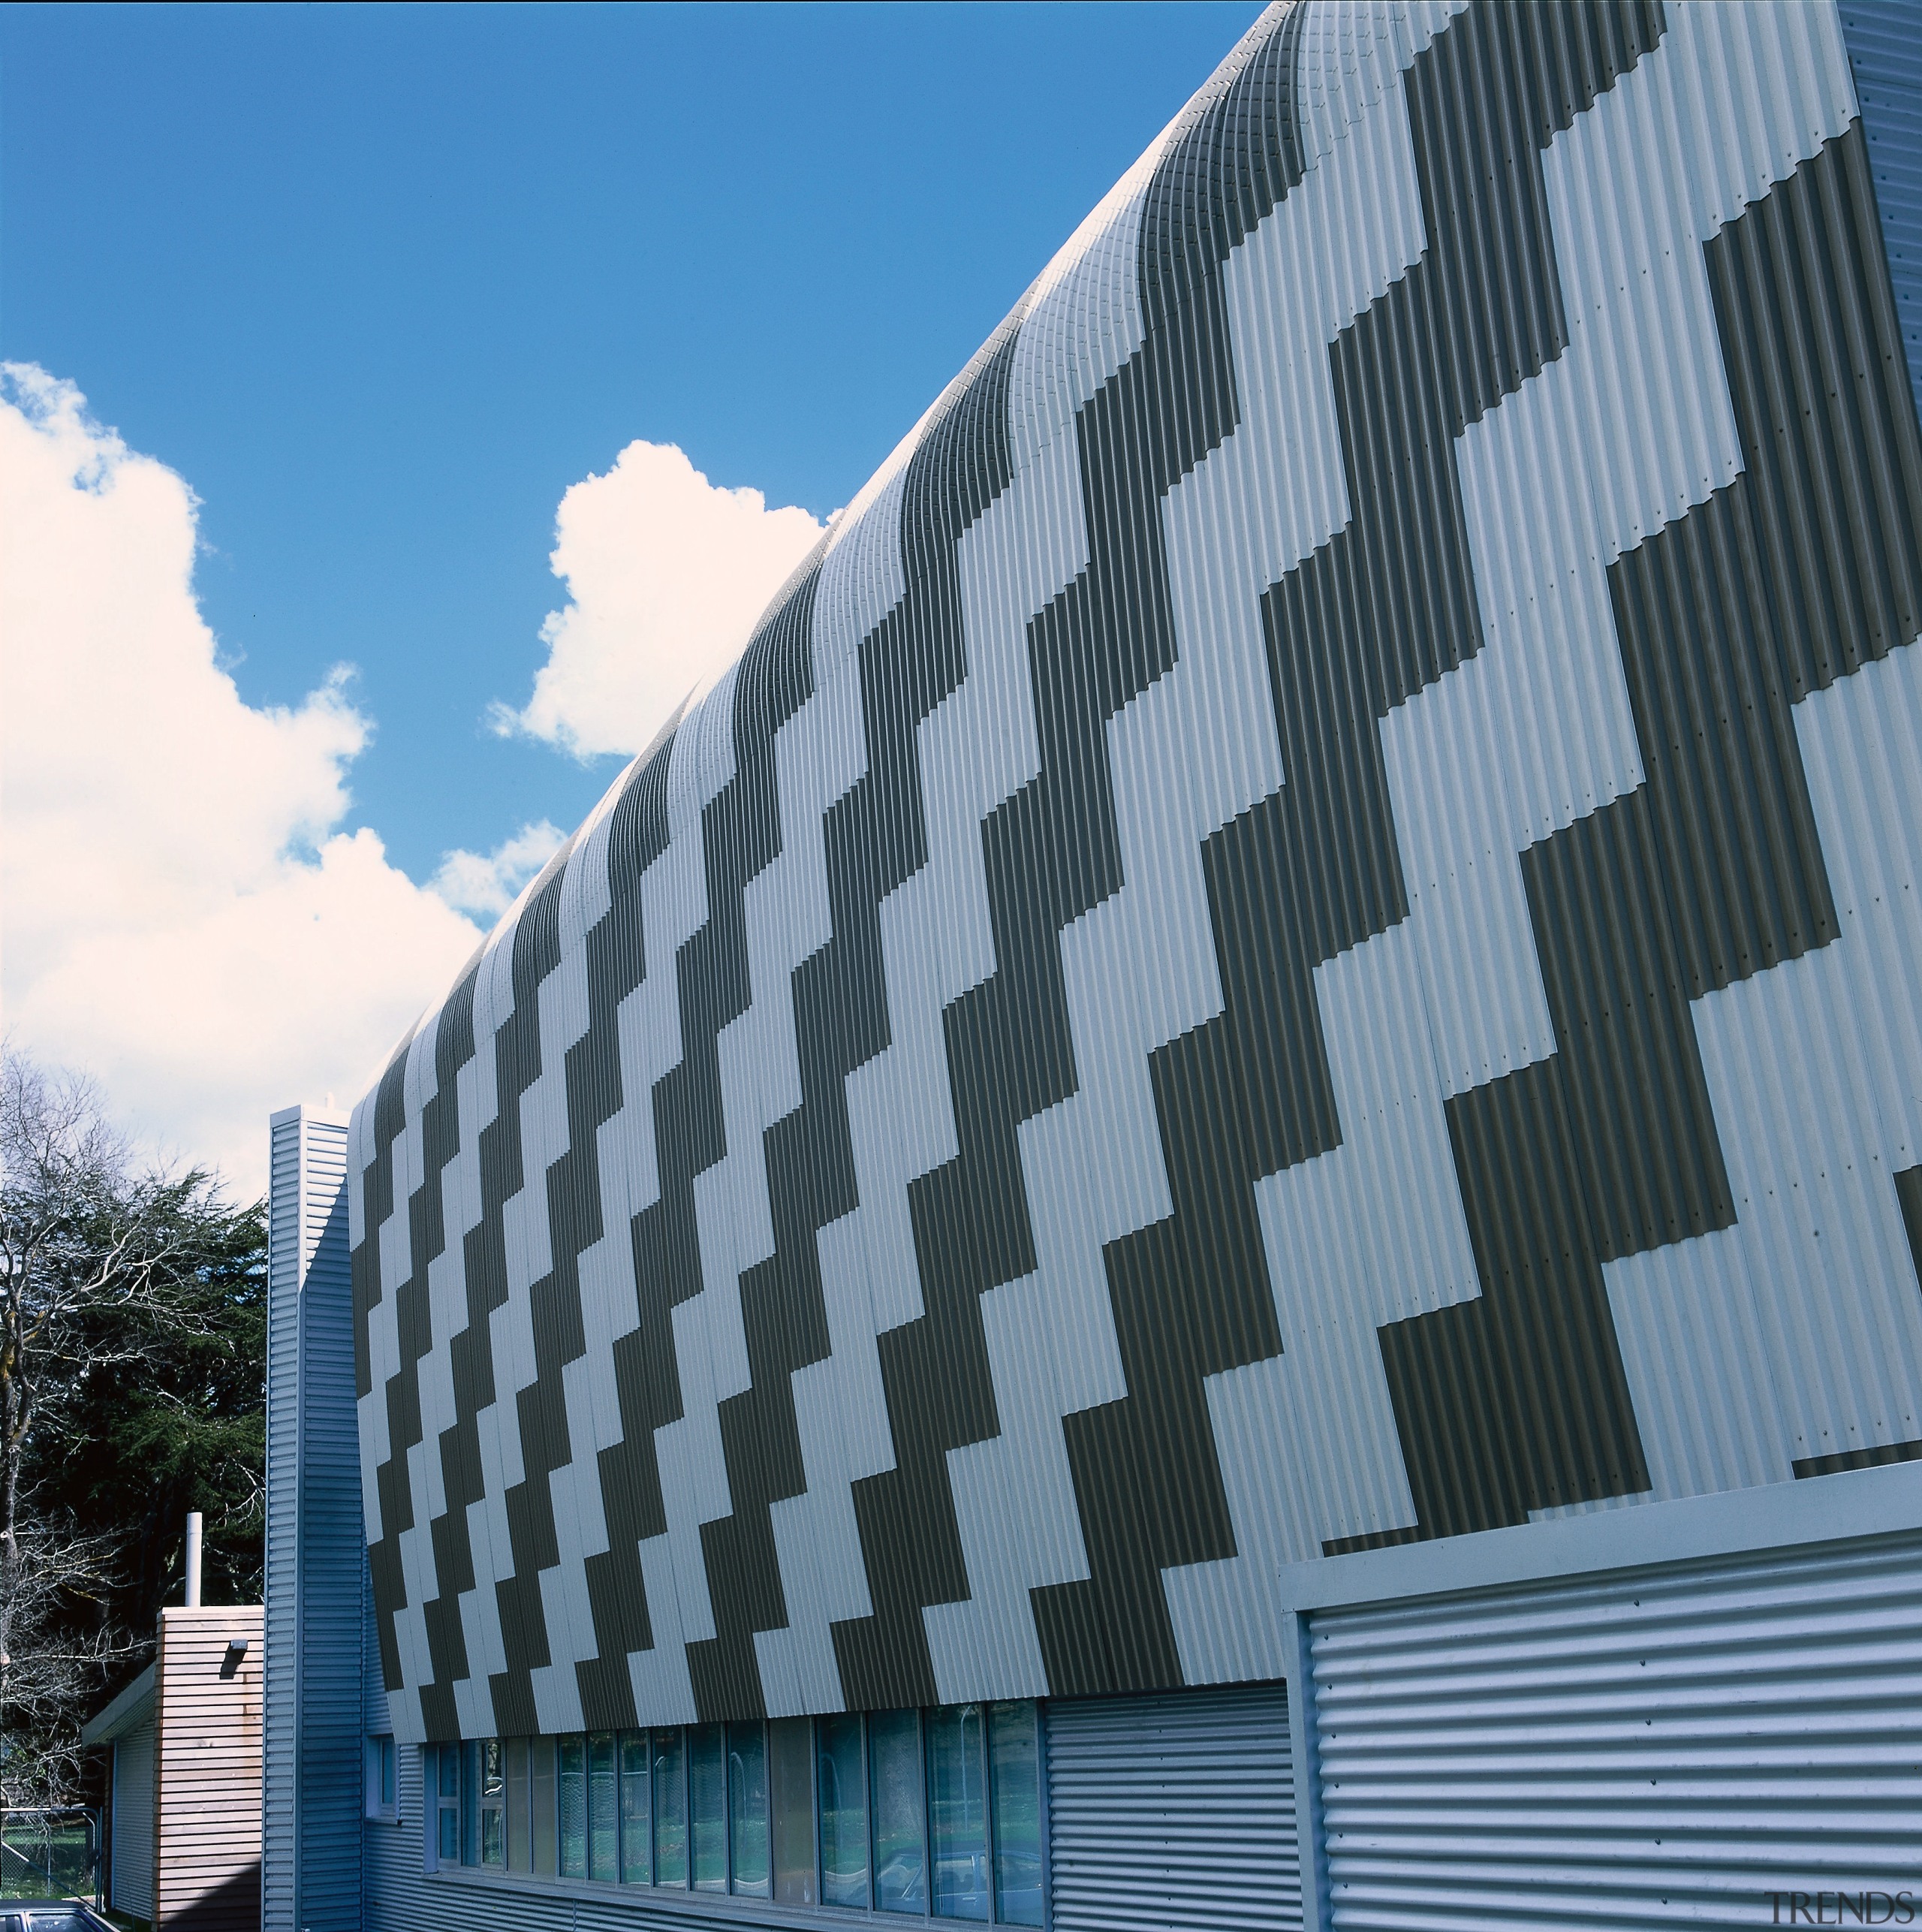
(383, 1779)
(442, 1805)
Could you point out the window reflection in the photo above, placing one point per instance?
(545, 1819)
(603, 1836)
(670, 1809)
(574, 1807)
(958, 1811)
(493, 1834)
(1015, 1768)
(900, 1860)
(470, 1805)
(519, 1847)
(790, 1798)
(843, 1801)
(747, 1809)
(707, 1816)
(637, 1867)
(447, 1842)
(934, 1813)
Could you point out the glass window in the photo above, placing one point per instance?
(958, 1811)
(900, 1863)
(671, 1810)
(603, 1831)
(908, 1812)
(540, 1783)
(844, 1811)
(493, 1794)
(380, 1777)
(446, 1789)
(747, 1809)
(470, 1803)
(1014, 1760)
(519, 1847)
(790, 1789)
(573, 1754)
(707, 1802)
(636, 1867)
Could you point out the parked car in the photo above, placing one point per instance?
(57, 1914)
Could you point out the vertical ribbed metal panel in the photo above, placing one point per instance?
(129, 1866)
(1172, 1811)
(1884, 40)
(1308, 939)
(316, 1553)
(1649, 1747)
(280, 1809)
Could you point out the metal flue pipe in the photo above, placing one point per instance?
(193, 1560)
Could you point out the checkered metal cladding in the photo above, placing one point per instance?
(1303, 931)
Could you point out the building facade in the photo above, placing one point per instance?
(1205, 1206)
(184, 1812)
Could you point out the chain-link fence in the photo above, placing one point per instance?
(50, 1854)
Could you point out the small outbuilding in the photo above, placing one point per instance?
(183, 1828)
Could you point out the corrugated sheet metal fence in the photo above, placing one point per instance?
(1649, 1747)
(1172, 1811)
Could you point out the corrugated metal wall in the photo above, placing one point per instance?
(1885, 51)
(1666, 1746)
(1169, 1813)
(1304, 932)
(132, 1824)
(315, 1545)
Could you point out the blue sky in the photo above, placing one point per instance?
(382, 283)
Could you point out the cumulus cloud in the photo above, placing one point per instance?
(184, 917)
(666, 574)
(488, 883)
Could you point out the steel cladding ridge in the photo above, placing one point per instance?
(1303, 931)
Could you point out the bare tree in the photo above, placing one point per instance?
(84, 1240)
(53, 1663)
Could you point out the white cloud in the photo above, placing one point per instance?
(183, 917)
(488, 883)
(666, 574)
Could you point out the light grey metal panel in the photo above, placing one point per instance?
(1649, 1746)
(278, 1806)
(1172, 1812)
(129, 1858)
(316, 1553)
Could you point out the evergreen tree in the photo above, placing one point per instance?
(132, 1373)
